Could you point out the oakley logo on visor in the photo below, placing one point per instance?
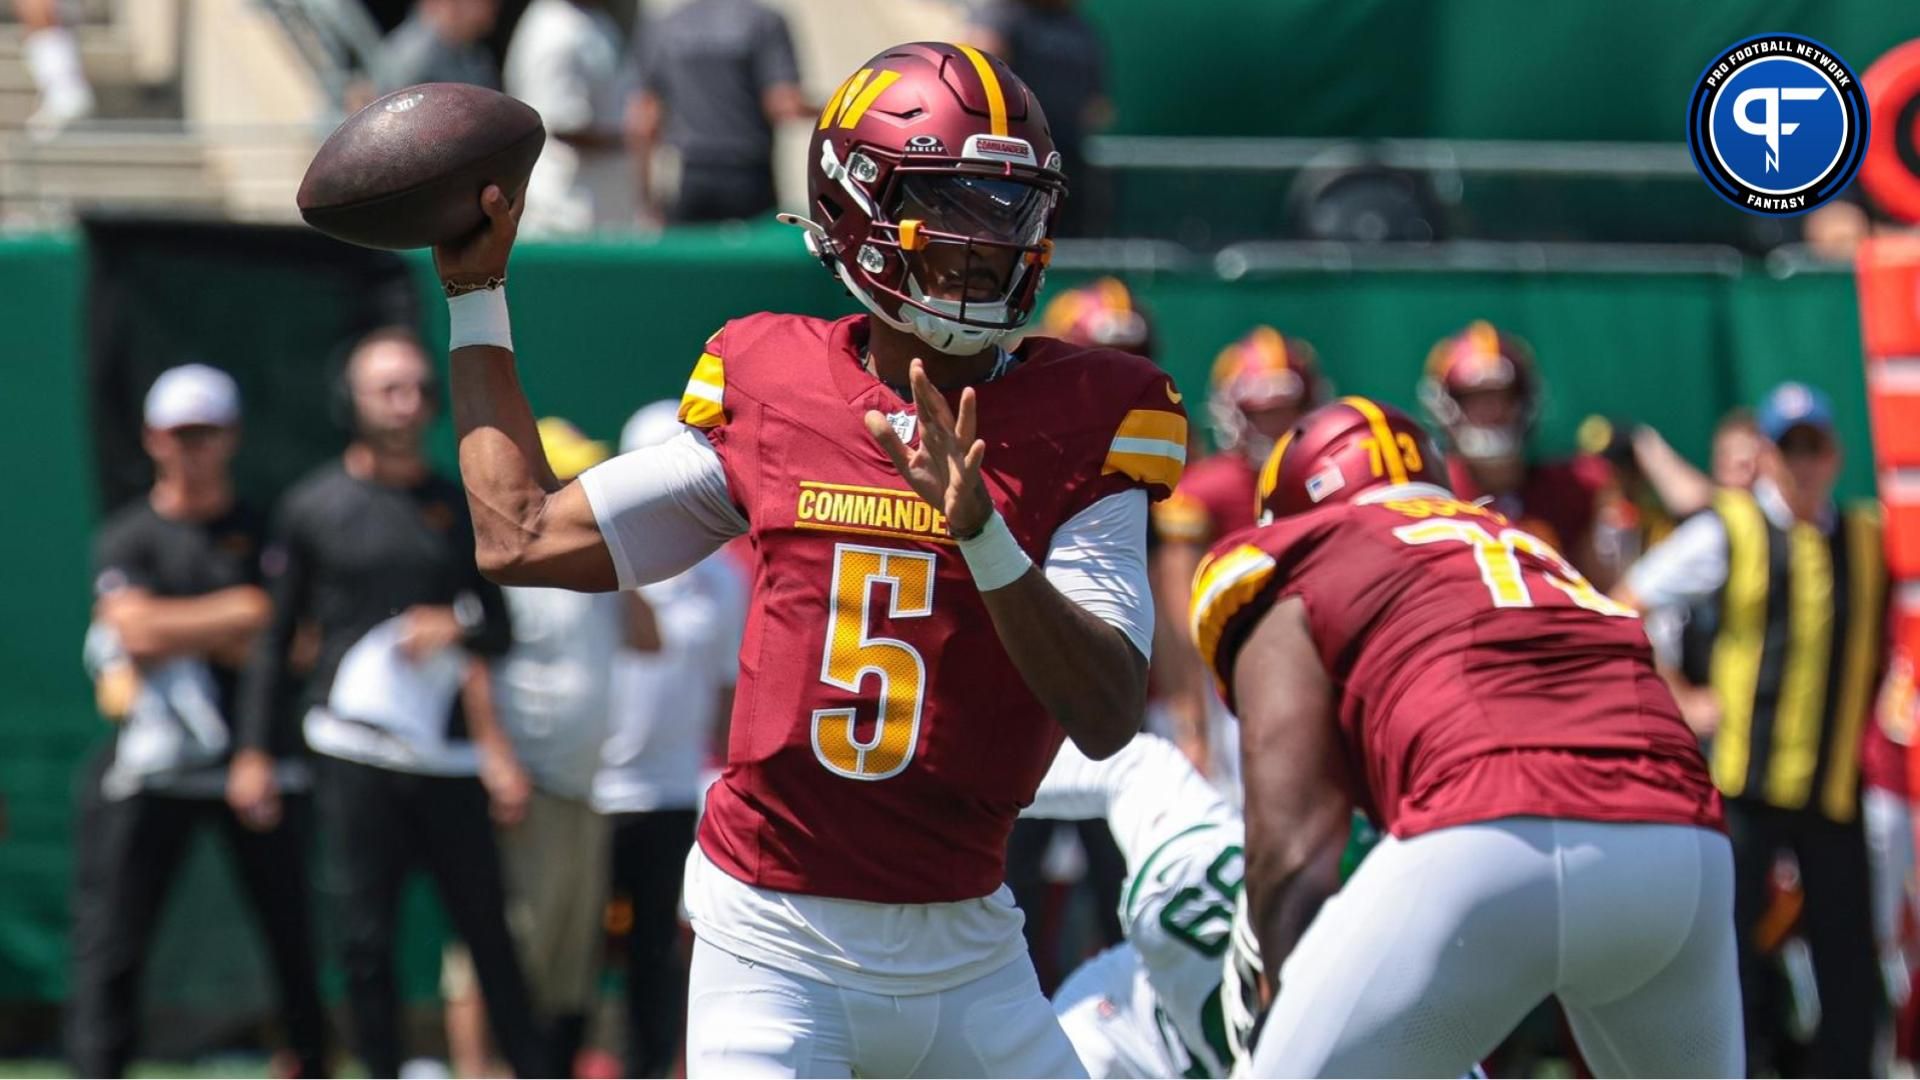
(995, 148)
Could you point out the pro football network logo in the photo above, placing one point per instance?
(1778, 124)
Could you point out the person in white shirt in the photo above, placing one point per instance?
(672, 693)
(550, 694)
(569, 61)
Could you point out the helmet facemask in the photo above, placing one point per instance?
(955, 258)
(1485, 424)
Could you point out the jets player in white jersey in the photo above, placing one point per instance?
(1151, 1006)
(1182, 995)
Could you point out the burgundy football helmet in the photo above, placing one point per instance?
(934, 185)
(1343, 450)
(1482, 362)
(1100, 314)
(1264, 372)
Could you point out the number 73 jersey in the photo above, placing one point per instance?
(882, 740)
(1478, 675)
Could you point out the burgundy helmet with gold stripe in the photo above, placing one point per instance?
(1100, 314)
(1342, 450)
(933, 186)
(1263, 371)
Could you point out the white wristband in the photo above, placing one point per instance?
(479, 318)
(995, 557)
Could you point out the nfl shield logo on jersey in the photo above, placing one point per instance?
(904, 425)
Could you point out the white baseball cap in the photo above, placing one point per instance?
(193, 394)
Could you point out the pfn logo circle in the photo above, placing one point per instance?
(1778, 124)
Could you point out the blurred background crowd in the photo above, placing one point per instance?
(1482, 210)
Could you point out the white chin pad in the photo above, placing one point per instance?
(950, 337)
(1479, 443)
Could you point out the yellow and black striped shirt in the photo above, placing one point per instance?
(1794, 661)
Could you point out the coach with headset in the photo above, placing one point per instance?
(376, 550)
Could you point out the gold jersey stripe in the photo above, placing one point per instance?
(1153, 424)
(1221, 588)
(1146, 468)
(996, 97)
(703, 405)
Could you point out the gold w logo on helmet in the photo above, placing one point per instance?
(855, 96)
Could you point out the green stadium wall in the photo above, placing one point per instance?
(1464, 69)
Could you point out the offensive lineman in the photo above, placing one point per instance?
(909, 666)
(1552, 827)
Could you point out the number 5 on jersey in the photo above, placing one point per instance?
(852, 656)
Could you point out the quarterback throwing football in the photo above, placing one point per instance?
(949, 572)
(1552, 827)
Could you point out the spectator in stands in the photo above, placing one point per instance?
(179, 606)
(1800, 588)
(440, 41)
(376, 549)
(551, 696)
(569, 61)
(717, 76)
(52, 53)
(1060, 54)
(673, 694)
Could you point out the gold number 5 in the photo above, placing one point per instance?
(852, 656)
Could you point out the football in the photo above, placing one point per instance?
(407, 170)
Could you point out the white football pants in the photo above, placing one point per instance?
(1441, 944)
(749, 1020)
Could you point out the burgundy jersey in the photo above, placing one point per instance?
(1558, 502)
(882, 741)
(1479, 675)
(1214, 498)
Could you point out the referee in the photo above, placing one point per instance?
(376, 550)
(1799, 592)
(179, 605)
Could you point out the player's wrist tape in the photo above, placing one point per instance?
(479, 318)
(994, 556)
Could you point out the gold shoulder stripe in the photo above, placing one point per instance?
(1154, 424)
(996, 97)
(703, 405)
(1389, 450)
(1150, 445)
(1224, 587)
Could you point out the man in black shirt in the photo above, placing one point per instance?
(179, 606)
(376, 550)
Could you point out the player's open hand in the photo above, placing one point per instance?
(945, 468)
(482, 257)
